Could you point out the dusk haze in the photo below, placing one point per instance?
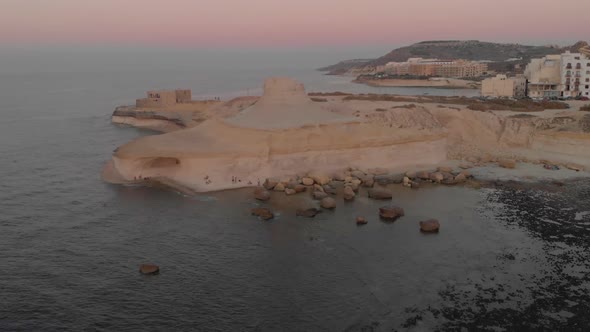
(233, 23)
(295, 165)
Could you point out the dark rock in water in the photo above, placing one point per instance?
(380, 193)
(149, 269)
(307, 213)
(391, 212)
(361, 221)
(261, 194)
(319, 195)
(262, 213)
(330, 190)
(328, 203)
(348, 193)
(429, 226)
(386, 179)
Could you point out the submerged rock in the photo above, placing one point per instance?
(261, 194)
(348, 193)
(262, 213)
(361, 221)
(328, 203)
(319, 195)
(307, 213)
(429, 226)
(380, 193)
(149, 269)
(391, 212)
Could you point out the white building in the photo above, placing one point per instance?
(503, 86)
(575, 75)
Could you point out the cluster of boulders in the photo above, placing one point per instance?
(323, 187)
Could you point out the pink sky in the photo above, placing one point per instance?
(282, 23)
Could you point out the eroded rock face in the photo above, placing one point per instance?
(390, 212)
(429, 226)
(262, 213)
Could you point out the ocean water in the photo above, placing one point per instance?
(507, 257)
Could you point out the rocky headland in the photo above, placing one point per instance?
(292, 140)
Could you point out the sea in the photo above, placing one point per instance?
(508, 256)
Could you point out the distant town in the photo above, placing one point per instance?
(564, 75)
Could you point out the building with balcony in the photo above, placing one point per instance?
(575, 75)
(436, 67)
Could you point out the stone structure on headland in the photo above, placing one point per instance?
(164, 98)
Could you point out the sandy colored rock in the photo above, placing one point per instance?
(390, 212)
(445, 169)
(348, 193)
(320, 178)
(279, 187)
(300, 188)
(361, 221)
(262, 213)
(317, 187)
(289, 191)
(423, 175)
(269, 184)
(328, 203)
(149, 269)
(307, 181)
(411, 175)
(380, 193)
(261, 194)
(507, 163)
(460, 178)
(430, 226)
(437, 177)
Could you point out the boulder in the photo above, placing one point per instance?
(368, 180)
(261, 194)
(507, 163)
(262, 213)
(348, 193)
(389, 179)
(391, 212)
(357, 174)
(307, 181)
(328, 203)
(307, 213)
(319, 195)
(423, 175)
(460, 178)
(407, 182)
(429, 226)
(149, 269)
(317, 187)
(354, 186)
(289, 191)
(411, 175)
(269, 184)
(279, 187)
(320, 178)
(300, 188)
(340, 176)
(329, 190)
(445, 169)
(380, 193)
(356, 181)
(437, 177)
(336, 184)
(361, 221)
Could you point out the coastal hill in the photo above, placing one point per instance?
(504, 57)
